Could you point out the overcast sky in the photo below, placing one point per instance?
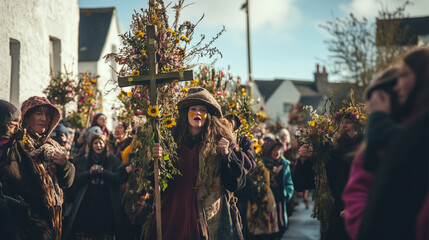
(286, 40)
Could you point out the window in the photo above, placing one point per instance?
(286, 107)
(14, 52)
(54, 55)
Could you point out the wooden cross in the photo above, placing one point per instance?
(153, 78)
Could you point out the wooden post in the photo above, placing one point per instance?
(153, 79)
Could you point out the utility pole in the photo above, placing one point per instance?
(249, 62)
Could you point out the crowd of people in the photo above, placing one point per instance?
(57, 182)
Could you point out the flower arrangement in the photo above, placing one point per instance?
(356, 112)
(318, 136)
(89, 99)
(61, 89)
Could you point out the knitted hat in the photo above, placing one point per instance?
(200, 96)
(269, 145)
(385, 79)
(34, 102)
(8, 112)
(93, 130)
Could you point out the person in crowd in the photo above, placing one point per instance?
(34, 170)
(406, 155)
(197, 205)
(60, 134)
(280, 179)
(345, 144)
(101, 121)
(356, 192)
(120, 140)
(97, 210)
(248, 158)
(83, 139)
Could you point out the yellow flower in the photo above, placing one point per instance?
(129, 94)
(177, 40)
(331, 128)
(257, 148)
(185, 89)
(244, 94)
(139, 33)
(90, 91)
(312, 123)
(87, 84)
(341, 110)
(153, 111)
(246, 126)
(251, 136)
(243, 121)
(362, 117)
(242, 90)
(167, 69)
(121, 95)
(231, 104)
(135, 73)
(171, 31)
(170, 122)
(143, 52)
(196, 80)
(93, 80)
(184, 38)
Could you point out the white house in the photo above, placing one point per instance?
(36, 36)
(277, 96)
(98, 36)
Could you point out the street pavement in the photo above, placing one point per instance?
(301, 225)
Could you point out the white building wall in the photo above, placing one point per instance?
(32, 23)
(107, 82)
(285, 93)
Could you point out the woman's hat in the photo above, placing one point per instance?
(36, 101)
(8, 112)
(269, 145)
(388, 77)
(200, 96)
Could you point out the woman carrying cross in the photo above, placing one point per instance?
(197, 204)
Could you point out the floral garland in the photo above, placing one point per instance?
(356, 112)
(318, 136)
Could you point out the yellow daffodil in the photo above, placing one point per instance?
(135, 73)
(185, 89)
(246, 126)
(243, 121)
(153, 111)
(93, 80)
(89, 91)
(184, 38)
(312, 123)
(244, 94)
(139, 34)
(167, 69)
(195, 80)
(143, 52)
(242, 90)
(177, 40)
(331, 128)
(129, 94)
(171, 31)
(170, 122)
(362, 117)
(121, 95)
(251, 136)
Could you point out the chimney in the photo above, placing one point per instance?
(321, 80)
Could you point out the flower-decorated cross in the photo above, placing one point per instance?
(153, 79)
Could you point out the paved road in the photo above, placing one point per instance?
(301, 225)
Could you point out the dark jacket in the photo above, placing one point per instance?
(404, 166)
(111, 178)
(22, 181)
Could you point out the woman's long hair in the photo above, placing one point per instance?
(418, 61)
(213, 130)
